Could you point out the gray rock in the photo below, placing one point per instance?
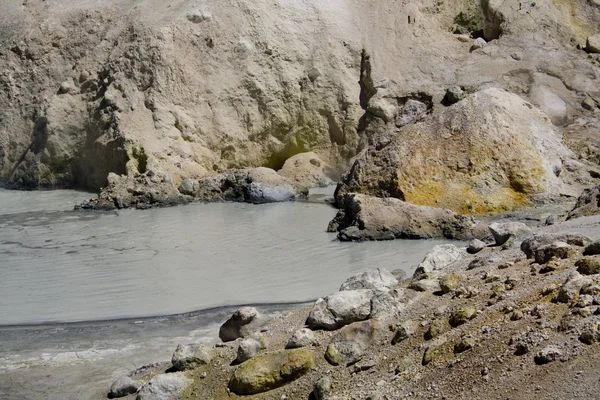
(123, 386)
(188, 186)
(388, 304)
(411, 112)
(592, 44)
(250, 347)
(383, 108)
(569, 291)
(399, 274)
(588, 103)
(530, 244)
(551, 220)
(301, 338)
(244, 322)
(259, 193)
(502, 231)
(340, 309)
(478, 43)
(558, 250)
(377, 279)
(550, 103)
(164, 387)
(198, 17)
(323, 388)
(450, 282)
(437, 327)
(547, 355)
(454, 95)
(405, 330)
(590, 333)
(426, 285)
(190, 356)
(438, 258)
(475, 246)
(587, 203)
(351, 343)
(592, 249)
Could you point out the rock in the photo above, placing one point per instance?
(550, 103)
(431, 353)
(529, 245)
(556, 250)
(323, 388)
(198, 17)
(411, 112)
(399, 274)
(516, 315)
(164, 387)
(478, 43)
(590, 333)
(244, 322)
(437, 327)
(547, 355)
(271, 370)
(388, 304)
(426, 285)
(453, 95)
(592, 249)
(122, 387)
(589, 104)
(592, 44)
(462, 316)
(437, 259)
(340, 309)
(551, 220)
(350, 344)
(521, 349)
(364, 217)
(450, 282)
(475, 246)
(504, 230)
(377, 279)
(188, 186)
(190, 356)
(466, 343)
(587, 203)
(588, 266)
(307, 170)
(383, 108)
(405, 330)
(585, 300)
(569, 291)
(301, 338)
(249, 347)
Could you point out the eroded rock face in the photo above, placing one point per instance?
(270, 371)
(363, 217)
(489, 127)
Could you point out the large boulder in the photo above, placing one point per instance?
(489, 153)
(363, 217)
(340, 309)
(244, 322)
(164, 387)
(377, 279)
(190, 356)
(351, 343)
(438, 259)
(270, 371)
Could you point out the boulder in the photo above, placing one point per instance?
(588, 266)
(450, 282)
(438, 259)
(364, 217)
(188, 186)
(547, 355)
(350, 344)
(322, 389)
(558, 250)
(475, 246)
(306, 170)
(244, 322)
(271, 370)
(530, 244)
(301, 338)
(462, 316)
(249, 347)
(437, 327)
(425, 285)
(569, 291)
(592, 44)
(340, 309)
(122, 387)
(502, 231)
(388, 304)
(190, 356)
(377, 279)
(164, 387)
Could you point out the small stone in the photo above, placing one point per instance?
(426, 285)
(592, 249)
(516, 315)
(588, 103)
(437, 328)
(199, 17)
(454, 95)
(547, 355)
(521, 349)
(475, 246)
(323, 388)
(585, 300)
(164, 386)
(404, 331)
(462, 316)
(549, 289)
(189, 186)
(551, 220)
(243, 323)
(464, 345)
(592, 44)
(431, 353)
(301, 338)
(498, 291)
(450, 282)
(588, 266)
(478, 43)
(558, 250)
(590, 333)
(123, 386)
(250, 347)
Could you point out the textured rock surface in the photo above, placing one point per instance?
(307, 170)
(438, 258)
(350, 344)
(270, 371)
(244, 322)
(301, 338)
(375, 279)
(164, 387)
(340, 309)
(122, 387)
(587, 203)
(190, 356)
(363, 217)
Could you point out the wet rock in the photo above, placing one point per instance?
(450, 282)
(590, 333)
(301, 338)
(462, 316)
(588, 266)
(340, 309)
(437, 259)
(271, 370)
(502, 231)
(547, 355)
(122, 387)
(164, 387)
(244, 322)
(323, 388)
(190, 356)
(350, 344)
(377, 279)
(250, 347)
(437, 327)
(475, 246)
(362, 217)
(558, 250)
(405, 330)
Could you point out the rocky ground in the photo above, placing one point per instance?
(514, 317)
